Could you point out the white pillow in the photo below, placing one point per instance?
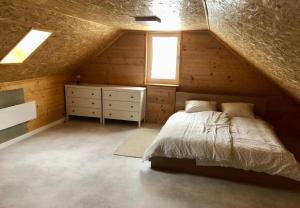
(239, 109)
(192, 106)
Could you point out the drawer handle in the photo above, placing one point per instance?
(73, 101)
(93, 112)
(72, 92)
(73, 111)
(92, 93)
(131, 116)
(131, 97)
(109, 114)
(131, 106)
(93, 103)
(109, 104)
(109, 95)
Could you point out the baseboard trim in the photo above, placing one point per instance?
(31, 133)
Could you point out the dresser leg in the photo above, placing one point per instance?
(139, 124)
(103, 121)
(67, 118)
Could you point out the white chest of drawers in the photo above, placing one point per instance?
(84, 100)
(124, 103)
(106, 102)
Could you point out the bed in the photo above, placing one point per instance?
(212, 144)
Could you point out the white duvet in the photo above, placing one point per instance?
(214, 139)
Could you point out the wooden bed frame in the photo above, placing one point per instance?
(189, 165)
(232, 174)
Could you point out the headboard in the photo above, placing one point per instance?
(259, 103)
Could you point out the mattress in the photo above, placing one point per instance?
(214, 139)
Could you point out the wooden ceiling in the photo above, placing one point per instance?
(265, 32)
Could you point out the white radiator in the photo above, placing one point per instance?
(17, 114)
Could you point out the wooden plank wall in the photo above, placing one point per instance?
(209, 66)
(206, 66)
(123, 63)
(48, 92)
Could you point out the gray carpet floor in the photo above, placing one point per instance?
(72, 165)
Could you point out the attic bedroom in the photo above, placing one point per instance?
(154, 103)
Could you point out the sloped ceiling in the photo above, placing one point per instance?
(175, 14)
(72, 42)
(266, 32)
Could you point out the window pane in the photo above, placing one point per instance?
(164, 57)
(26, 46)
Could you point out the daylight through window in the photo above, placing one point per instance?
(30, 42)
(163, 58)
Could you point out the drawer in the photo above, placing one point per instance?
(90, 112)
(121, 115)
(122, 96)
(83, 93)
(80, 102)
(120, 105)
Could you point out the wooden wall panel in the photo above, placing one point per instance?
(208, 66)
(123, 63)
(48, 92)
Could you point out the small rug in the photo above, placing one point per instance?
(137, 142)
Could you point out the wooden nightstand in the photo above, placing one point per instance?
(160, 103)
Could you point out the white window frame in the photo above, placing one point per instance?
(148, 79)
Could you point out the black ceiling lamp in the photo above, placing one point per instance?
(147, 19)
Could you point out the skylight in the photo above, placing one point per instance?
(29, 43)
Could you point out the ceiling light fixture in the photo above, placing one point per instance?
(147, 19)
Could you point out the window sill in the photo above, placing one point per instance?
(162, 85)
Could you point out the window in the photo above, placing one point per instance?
(29, 43)
(162, 58)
